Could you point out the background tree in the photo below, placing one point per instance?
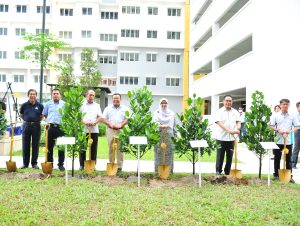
(193, 127)
(66, 79)
(257, 126)
(72, 122)
(140, 122)
(91, 76)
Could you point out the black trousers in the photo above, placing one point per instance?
(296, 148)
(53, 133)
(82, 155)
(225, 147)
(277, 157)
(31, 134)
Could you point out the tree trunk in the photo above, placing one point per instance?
(73, 163)
(260, 164)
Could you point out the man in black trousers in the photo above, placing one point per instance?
(31, 113)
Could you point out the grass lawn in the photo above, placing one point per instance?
(103, 153)
(96, 201)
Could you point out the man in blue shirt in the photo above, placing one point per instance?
(31, 113)
(296, 140)
(51, 113)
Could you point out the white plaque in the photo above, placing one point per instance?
(198, 143)
(137, 140)
(269, 145)
(65, 140)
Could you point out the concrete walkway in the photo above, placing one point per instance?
(248, 164)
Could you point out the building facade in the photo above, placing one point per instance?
(240, 46)
(136, 43)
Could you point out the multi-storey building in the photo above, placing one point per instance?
(136, 43)
(239, 46)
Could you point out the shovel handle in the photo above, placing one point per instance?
(164, 149)
(47, 126)
(114, 149)
(90, 142)
(11, 141)
(284, 155)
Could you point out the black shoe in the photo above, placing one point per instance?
(292, 181)
(275, 177)
(294, 167)
(61, 168)
(35, 167)
(23, 167)
(218, 174)
(81, 168)
(119, 170)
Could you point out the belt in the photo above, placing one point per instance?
(54, 124)
(31, 123)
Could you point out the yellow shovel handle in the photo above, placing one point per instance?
(11, 141)
(284, 155)
(114, 149)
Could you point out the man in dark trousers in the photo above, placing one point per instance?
(53, 117)
(296, 147)
(31, 113)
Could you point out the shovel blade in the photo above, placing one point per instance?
(112, 169)
(47, 167)
(235, 173)
(163, 171)
(284, 175)
(11, 166)
(89, 166)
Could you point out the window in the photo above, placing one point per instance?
(19, 78)
(37, 79)
(3, 8)
(151, 34)
(64, 56)
(3, 31)
(173, 35)
(87, 11)
(131, 10)
(39, 31)
(2, 77)
(152, 11)
(150, 81)
(108, 37)
(109, 15)
(173, 58)
(130, 33)
(21, 8)
(65, 34)
(86, 34)
(172, 81)
(39, 9)
(174, 12)
(129, 57)
(107, 59)
(19, 55)
(66, 12)
(151, 57)
(108, 82)
(124, 80)
(20, 31)
(2, 54)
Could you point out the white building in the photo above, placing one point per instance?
(239, 46)
(136, 43)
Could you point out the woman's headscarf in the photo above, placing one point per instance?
(164, 116)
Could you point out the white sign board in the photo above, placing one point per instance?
(198, 143)
(137, 140)
(269, 145)
(65, 140)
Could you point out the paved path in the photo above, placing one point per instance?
(249, 164)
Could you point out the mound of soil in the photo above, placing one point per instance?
(228, 180)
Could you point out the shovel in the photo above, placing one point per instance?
(89, 165)
(46, 166)
(284, 174)
(112, 167)
(235, 173)
(11, 166)
(163, 170)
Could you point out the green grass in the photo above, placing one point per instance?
(90, 202)
(103, 153)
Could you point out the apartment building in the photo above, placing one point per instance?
(136, 43)
(239, 46)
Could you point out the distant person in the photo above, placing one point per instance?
(115, 119)
(229, 124)
(166, 120)
(31, 113)
(53, 117)
(277, 108)
(283, 124)
(296, 140)
(2, 107)
(242, 116)
(90, 119)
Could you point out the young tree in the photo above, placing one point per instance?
(140, 122)
(66, 79)
(91, 76)
(193, 127)
(257, 126)
(72, 122)
(2, 121)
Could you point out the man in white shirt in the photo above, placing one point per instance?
(229, 124)
(115, 119)
(90, 119)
